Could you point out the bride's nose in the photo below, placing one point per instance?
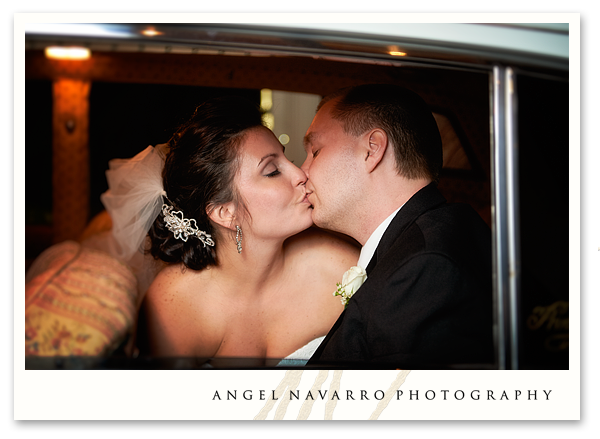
(299, 177)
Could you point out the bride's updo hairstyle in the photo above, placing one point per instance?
(198, 175)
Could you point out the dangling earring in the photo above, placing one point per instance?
(238, 238)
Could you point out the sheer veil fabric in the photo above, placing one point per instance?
(133, 201)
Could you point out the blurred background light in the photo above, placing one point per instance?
(266, 99)
(284, 139)
(151, 32)
(269, 120)
(73, 53)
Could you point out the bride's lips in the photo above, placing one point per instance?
(305, 198)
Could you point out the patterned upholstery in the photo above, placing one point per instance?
(78, 301)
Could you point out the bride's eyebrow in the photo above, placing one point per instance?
(270, 155)
(266, 157)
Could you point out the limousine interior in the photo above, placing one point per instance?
(499, 93)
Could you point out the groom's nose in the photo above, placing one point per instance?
(305, 166)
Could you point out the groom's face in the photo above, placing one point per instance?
(332, 169)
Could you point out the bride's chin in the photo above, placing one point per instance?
(300, 222)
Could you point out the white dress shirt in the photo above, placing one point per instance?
(368, 250)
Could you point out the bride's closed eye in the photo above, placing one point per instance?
(273, 174)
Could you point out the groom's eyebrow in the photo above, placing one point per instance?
(309, 139)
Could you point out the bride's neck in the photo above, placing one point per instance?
(258, 265)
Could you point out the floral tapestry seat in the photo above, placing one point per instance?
(78, 302)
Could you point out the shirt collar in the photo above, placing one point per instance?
(368, 250)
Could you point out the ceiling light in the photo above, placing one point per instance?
(72, 53)
(151, 32)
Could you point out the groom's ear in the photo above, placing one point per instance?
(222, 214)
(377, 143)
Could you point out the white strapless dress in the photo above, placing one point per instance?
(302, 355)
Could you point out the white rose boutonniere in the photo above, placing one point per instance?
(351, 282)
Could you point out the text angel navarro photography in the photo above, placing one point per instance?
(400, 395)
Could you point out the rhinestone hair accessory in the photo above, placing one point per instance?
(183, 227)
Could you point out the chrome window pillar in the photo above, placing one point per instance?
(505, 217)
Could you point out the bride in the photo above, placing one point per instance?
(246, 275)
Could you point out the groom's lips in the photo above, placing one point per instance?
(307, 200)
(304, 198)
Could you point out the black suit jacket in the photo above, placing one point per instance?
(427, 300)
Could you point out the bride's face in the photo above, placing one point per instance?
(272, 188)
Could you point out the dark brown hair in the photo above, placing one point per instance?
(403, 115)
(198, 175)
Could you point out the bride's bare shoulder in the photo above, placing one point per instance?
(314, 238)
(321, 246)
(178, 313)
(170, 277)
(176, 284)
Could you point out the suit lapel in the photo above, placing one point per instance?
(327, 339)
(372, 263)
(425, 199)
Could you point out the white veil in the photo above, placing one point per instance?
(134, 200)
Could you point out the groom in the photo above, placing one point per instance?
(374, 156)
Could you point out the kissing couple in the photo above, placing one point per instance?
(392, 276)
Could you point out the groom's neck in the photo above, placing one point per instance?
(381, 200)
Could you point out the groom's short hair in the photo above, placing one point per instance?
(403, 115)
